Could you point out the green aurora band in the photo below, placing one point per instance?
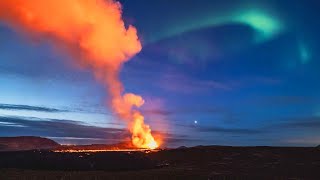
(260, 20)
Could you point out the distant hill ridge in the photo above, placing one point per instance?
(22, 143)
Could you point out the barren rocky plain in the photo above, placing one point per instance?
(201, 162)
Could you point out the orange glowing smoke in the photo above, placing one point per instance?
(95, 29)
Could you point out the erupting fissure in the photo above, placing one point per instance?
(95, 29)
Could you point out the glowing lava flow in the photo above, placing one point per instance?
(95, 30)
(147, 150)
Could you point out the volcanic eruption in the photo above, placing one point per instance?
(95, 30)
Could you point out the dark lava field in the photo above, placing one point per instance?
(202, 162)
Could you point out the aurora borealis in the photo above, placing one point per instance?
(245, 71)
(262, 20)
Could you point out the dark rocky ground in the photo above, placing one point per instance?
(210, 162)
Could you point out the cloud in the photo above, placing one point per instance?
(264, 80)
(188, 110)
(303, 122)
(56, 128)
(29, 108)
(223, 130)
(226, 114)
(228, 130)
(294, 128)
(283, 100)
(181, 83)
(299, 131)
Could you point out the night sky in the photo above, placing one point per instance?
(211, 72)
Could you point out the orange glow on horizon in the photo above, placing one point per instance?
(103, 150)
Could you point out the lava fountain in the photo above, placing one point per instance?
(95, 30)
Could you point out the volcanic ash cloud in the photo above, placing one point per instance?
(95, 30)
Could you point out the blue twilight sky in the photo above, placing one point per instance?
(211, 72)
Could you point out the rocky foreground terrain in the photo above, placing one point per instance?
(202, 162)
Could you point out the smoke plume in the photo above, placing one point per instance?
(94, 28)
